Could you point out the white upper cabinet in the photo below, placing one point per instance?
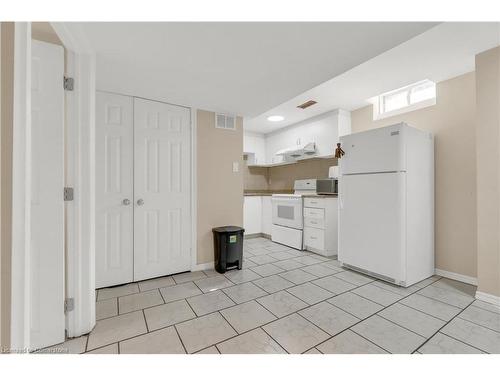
(254, 146)
(323, 131)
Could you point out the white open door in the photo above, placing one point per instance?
(114, 190)
(47, 204)
(162, 187)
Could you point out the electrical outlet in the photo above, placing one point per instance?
(236, 167)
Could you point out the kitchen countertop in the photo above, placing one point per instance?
(263, 193)
(257, 193)
(320, 195)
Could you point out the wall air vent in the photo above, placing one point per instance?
(223, 121)
(307, 104)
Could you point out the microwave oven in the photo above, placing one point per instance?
(327, 186)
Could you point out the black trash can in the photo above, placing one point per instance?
(228, 248)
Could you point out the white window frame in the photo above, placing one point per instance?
(378, 102)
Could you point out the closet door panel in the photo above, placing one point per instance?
(162, 185)
(114, 189)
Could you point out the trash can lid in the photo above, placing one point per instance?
(228, 229)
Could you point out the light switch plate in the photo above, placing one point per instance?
(236, 166)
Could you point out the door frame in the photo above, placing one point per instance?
(194, 191)
(21, 191)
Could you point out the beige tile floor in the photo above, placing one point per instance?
(288, 301)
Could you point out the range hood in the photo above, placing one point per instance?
(298, 152)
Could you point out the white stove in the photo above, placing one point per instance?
(288, 222)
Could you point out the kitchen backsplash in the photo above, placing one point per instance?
(282, 178)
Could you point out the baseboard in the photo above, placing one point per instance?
(489, 298)
(202, 267)
(456, 276)
(257, 235)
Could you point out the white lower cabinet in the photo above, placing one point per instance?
(267, 215)
(252, 215)
(321, 225)
(257, 215)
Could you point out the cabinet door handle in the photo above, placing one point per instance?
(313, 238)
(126, 202)
(140, 202)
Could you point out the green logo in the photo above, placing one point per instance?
(233, 239)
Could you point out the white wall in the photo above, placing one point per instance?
(323, 129)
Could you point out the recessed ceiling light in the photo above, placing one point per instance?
(275, 118)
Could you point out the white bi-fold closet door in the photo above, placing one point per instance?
(143, 189)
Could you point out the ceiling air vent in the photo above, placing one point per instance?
(307, 104)
(223, 121)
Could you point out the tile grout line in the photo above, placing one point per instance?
(446, 303)
(143, 334)
(423, 312)
(400, 326)
(362, 320)
(477, 324)
(262, 326)
(483, 309)
(348, 328)
(139, 289)
(145, 321)
(378, 346)
(340, 308)
(86, 343)
(298, 313)
(230, 325)
(448, 322)
(180, 339)
(463, 342)
(250, 330)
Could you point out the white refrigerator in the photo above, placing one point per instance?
(386, 203)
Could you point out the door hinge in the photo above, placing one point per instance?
(69, 83)
(69, 305)
(68, 194)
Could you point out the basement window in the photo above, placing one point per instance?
(409, 98)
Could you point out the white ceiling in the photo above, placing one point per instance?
(238, 68)
(443, 52)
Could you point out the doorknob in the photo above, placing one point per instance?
(126, 202)
(140, 202)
